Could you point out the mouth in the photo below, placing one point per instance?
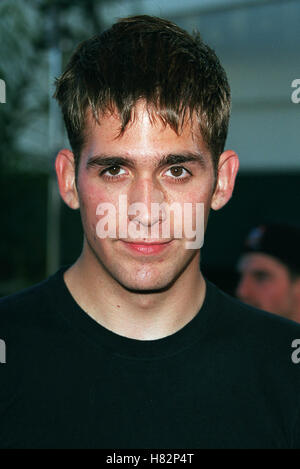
(147, 248)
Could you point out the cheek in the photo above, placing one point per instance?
(276, 293)
(201, 193)
(282, 291)
(200, 198)
(92, 193)
(90, 196)
(194, 205)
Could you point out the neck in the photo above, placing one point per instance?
(143, 316)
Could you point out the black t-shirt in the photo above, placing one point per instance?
(225, 380)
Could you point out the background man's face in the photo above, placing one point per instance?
(142, 179)
(265, 283)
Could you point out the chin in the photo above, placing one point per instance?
(146, 282)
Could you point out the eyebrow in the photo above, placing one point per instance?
(256, 272)
(165, 160)
(261, 272)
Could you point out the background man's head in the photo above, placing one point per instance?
(270, 270)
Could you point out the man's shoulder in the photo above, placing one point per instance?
(28, 302)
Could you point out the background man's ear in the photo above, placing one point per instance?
(227, 170)
(65, 171)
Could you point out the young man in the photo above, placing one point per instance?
(270, 270)
(130, 347)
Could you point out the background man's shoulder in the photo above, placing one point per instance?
(250, 316)
(265, 344)
(251, 327)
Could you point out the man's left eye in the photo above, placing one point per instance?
(178, 172)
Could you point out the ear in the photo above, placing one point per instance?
(65, 171)
(227, 170)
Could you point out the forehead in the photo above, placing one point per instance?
(146, 135)
(252, 262)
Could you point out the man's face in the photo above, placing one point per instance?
(147, 164)
(265, 283)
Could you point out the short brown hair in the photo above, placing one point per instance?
(149, 58)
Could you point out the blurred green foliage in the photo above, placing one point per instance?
(25, 40)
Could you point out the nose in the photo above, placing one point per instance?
(143, 193)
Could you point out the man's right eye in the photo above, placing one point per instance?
(113, 172)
